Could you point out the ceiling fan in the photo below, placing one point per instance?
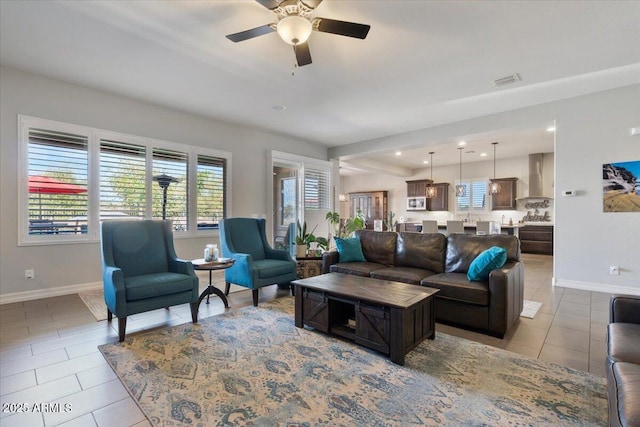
(294, 26)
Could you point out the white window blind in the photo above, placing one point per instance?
(212, 182)
(317, 194)
(475, 198)
(122, 180)
(173, 164)
(57, 181)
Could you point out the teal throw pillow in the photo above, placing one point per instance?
(349, 250)
(481, 266)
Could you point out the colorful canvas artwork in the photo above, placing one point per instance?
(621, 187)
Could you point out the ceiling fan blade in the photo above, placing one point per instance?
(342, 28)
(303, 55)
(249, 34)
(270, 4)
(312, 4)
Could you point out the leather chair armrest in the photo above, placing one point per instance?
(506, 296)
(328, 259)
(624, 309)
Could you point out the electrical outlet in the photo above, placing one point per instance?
(614, 270)
(29, 274)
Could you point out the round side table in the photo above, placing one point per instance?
(210, 266)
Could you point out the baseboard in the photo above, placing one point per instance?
(47, 293)
(596, 287)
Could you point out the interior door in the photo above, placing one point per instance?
(285, 203)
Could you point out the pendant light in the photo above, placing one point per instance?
(461, 190)
(494, 188)
(432, 191)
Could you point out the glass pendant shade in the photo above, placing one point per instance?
(294, 29)
(494, 187)
(461, 190)
(431, 190)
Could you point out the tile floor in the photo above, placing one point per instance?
(49, 355)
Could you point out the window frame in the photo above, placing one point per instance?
(470, 182)
(94, 136)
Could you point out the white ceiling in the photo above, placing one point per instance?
(424, 63)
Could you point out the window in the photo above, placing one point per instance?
(476, 198)
(212, 183)
(73, 177)
(287, 201)
(316, 190)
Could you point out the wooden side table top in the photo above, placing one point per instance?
(221, 264)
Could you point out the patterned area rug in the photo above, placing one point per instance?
(94, 299)
(254, 367)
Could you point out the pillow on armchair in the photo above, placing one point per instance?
(349, 250)
(481, 266)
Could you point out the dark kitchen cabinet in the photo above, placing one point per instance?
(441, 201)
(536, 239)
(505, 200)
(417, 188)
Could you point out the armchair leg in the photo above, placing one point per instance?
(122, 326)
(227, 287)
(255, 297)
(109, 315)
(194, 311)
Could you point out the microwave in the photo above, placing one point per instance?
(417, 203)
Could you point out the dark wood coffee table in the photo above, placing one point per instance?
(390, 317)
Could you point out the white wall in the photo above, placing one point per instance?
(590, 130)
(63, 268)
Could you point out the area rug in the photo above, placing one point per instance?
(254, 367)
(530, 308)
(94, 298)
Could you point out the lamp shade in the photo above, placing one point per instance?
(494, 187)
(432, 191)
(294, 29)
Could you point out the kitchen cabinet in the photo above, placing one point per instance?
(536, 239)
(441, 201)
(417, 188)
(372, 204)
(505, 200)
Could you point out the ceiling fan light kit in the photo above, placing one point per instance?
(294, 26)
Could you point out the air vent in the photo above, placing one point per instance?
(507, 80)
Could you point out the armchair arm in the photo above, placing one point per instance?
(277, 254)
(624, 309)
(506, 295)
(243, 271)
(181, 266)
(114, 291)
(328, 259)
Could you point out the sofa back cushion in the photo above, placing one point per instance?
(378, 246)
(462, 249)
(421, 250)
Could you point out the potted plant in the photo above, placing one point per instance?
(303, 239)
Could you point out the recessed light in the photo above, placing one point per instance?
(551, 129)
(483, 154)
(425, 162)
(461, 144)
(398, 153)
(279, 107)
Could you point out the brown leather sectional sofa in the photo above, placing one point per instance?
(623, 361)
(438, 261)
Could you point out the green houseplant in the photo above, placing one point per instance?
(303, 239)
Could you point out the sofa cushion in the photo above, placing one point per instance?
(623, 342)
(356, 268)
(155, 285)
(481, 266)
(349, 250)
(462, 249)
(402, 274)
(421, 250)
(378, 246)
(455, 286)
(624, 394)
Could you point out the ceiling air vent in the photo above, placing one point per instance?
(507, 80)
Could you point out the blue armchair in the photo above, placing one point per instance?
(141, 272)
(257, 263)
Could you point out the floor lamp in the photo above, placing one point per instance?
(164, 181)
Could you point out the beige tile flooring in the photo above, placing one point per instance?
(49, 355)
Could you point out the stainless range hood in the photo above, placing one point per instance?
(536, 164)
